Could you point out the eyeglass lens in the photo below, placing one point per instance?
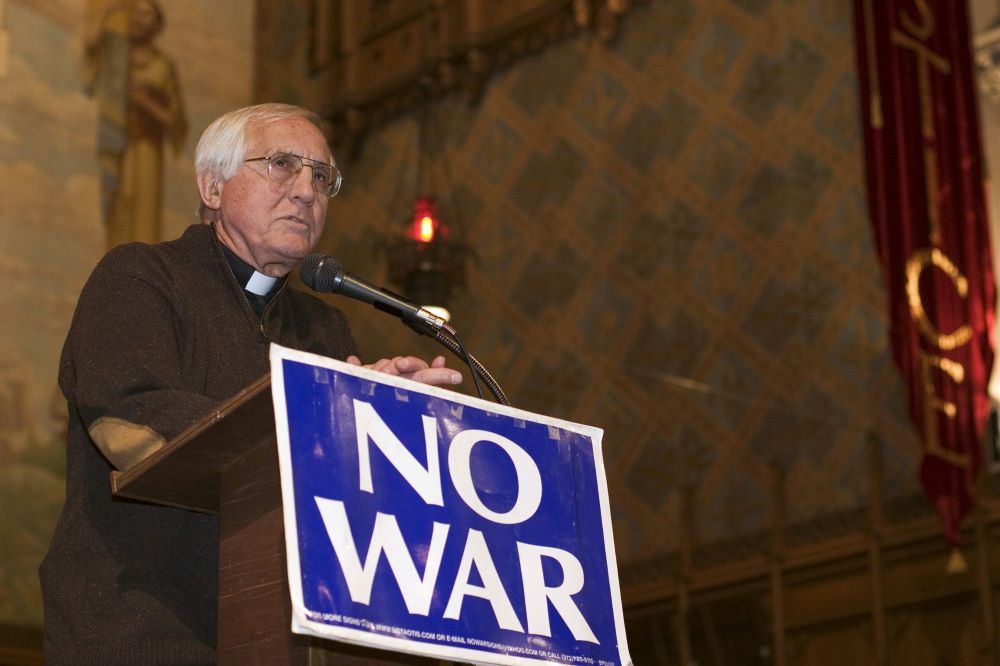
(282, 167)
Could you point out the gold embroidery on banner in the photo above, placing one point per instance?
(933, 404)
(931, 186)
(914, 31)
(925, 57)
(915, 265)
(874, 89)
(923, 30)
(911, 39)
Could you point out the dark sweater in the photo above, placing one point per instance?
(161, 334)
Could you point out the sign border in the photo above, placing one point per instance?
(302, 625)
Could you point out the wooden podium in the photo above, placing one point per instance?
(227, 463)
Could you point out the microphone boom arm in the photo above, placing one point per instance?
(477, 368)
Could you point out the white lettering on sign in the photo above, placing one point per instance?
(478, 553)
(537, 595)
(370, 426)
(529, 479)
(418, 590)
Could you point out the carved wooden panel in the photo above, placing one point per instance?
(391, 55)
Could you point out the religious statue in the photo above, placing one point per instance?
(139, 108)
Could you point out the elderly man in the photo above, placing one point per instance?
(161, 334)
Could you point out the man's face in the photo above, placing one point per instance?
(272, 225)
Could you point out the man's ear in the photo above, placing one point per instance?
(210, 189)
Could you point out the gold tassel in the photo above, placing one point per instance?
(876, 111)
(956, 562)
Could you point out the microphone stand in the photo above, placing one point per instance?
(478, 371)
(456, 347)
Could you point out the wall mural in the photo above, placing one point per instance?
(52, 231)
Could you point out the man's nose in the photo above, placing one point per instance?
(302, 185)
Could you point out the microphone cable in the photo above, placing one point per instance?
(326, 274)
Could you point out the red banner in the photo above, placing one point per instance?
(927, 203)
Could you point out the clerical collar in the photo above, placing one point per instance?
(251, 280)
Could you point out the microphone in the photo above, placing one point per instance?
(325, 274)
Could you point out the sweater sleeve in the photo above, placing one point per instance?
(121, 366)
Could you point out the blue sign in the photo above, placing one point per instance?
(424, 521)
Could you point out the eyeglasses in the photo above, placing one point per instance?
(283, 167)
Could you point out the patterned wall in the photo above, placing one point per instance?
(672, 245)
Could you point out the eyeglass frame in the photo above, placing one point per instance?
(306, 162)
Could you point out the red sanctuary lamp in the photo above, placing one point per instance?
(425, 261)
(425, 220)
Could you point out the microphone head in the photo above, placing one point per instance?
(321, 273)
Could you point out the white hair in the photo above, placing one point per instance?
(223, 145)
